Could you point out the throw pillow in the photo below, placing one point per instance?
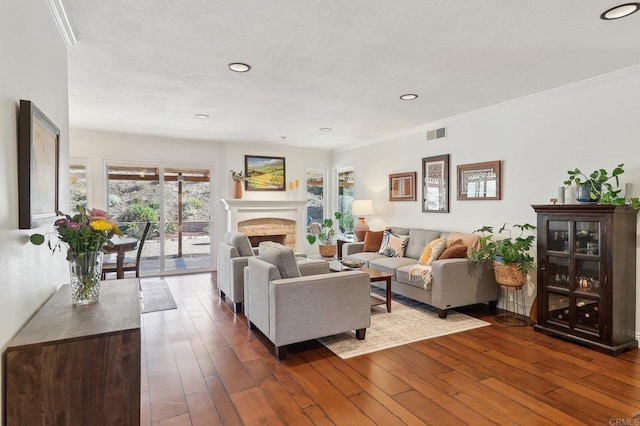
(239, 241)
(469, 240)
(437, 251)
(372, 240)
(454, 252)
(426, 253)
(393, 245)
(281, 256)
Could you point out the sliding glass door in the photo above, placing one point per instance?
(177, 203)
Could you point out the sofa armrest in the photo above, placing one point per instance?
(460, 282)
(351, 248)
(315, 306)
(313, 267)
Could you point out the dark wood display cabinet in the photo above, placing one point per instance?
(587, 274)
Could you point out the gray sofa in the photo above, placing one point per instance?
(455, 282)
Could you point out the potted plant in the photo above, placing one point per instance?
(324, 232)
(598, 187)
(511, 256)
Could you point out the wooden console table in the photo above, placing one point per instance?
(78, 365)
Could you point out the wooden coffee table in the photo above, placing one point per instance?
(376, 275)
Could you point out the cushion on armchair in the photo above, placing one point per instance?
(239, 241)
(280, 256)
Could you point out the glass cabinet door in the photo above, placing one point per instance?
(558, 235)
(587, 238)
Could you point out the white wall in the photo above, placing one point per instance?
(589, 125)
(34, 67)
(97, 148)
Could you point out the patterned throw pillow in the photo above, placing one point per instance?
(432, 251)
(393, 245)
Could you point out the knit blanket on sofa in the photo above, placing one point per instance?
(420, 272)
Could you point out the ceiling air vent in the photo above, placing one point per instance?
(436, 134)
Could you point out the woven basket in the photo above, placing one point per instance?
(509, 275)
(328, 251)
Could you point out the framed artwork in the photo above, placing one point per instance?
(402, 186)
(435, 184)
(479, 181)
(38, 167)
(264, 173)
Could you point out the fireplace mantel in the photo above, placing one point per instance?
(239, 210)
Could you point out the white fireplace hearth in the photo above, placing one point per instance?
(250, 212)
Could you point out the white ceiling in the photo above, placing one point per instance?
(147, 66)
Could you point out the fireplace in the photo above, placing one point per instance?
(263, 220)
(275, 229)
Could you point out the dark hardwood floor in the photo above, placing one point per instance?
(203, 366)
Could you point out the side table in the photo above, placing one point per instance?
(341, 240)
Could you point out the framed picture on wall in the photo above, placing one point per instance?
(264, 173)
(38, 167)
(402, 186)
(479, 181)
(435, 184)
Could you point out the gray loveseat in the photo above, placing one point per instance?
(455, 282)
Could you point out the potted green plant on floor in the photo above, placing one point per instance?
(511, 256)
(324, 233)
(598, 187)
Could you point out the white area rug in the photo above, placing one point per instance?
(408, 322)
(156, 296)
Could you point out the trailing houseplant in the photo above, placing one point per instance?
(324, 233)
(513, 252)
(598, 186)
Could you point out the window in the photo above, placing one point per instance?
(345, 198)
(77, 187)
(315, 196)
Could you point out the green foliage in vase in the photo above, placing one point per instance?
(89, 230)
(510, 250)
(602, 188)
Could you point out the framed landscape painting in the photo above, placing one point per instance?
(38, 167)
(264, 173)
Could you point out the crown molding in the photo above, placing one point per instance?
(62, 22)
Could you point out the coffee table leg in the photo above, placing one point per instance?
(388, 281)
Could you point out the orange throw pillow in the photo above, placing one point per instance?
(457, 251)
(372, 240)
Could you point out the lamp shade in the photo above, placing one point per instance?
(362, 207)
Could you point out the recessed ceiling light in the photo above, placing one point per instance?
(620, 11)
(201, 116)
(325, 129)
(239, 67)
(408, 97)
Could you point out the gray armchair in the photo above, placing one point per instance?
(233, 255)
(289, 307)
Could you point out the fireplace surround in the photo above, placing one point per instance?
(275, 220)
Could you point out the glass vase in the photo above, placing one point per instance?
(86, 272)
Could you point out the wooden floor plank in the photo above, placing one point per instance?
(254, 408)
(201, 365)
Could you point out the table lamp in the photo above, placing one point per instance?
(361, 208)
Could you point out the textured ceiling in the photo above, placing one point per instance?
(147, 66)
